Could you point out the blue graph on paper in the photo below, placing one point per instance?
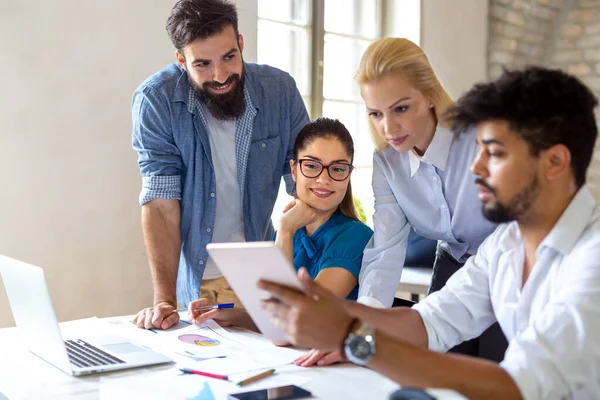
(205, 394)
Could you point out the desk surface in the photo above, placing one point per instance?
(17, 382)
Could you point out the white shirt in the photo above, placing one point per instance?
(435, 195)
(552, 323)
(229, 224)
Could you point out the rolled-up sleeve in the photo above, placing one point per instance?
(558, 355)
(159, 158)
(384, 255)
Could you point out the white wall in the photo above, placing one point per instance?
(69, 180)
(454, 36)
(247, 25)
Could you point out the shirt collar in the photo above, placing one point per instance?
(437, 152)
(571, 223)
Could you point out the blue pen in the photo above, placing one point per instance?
(207, 308)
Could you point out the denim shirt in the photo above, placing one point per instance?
(174, 156)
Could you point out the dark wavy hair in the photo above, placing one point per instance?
(199, 19)
(329, 128)
(543, 106)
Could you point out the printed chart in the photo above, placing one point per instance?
(199, 340)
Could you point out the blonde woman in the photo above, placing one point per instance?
(421, 176)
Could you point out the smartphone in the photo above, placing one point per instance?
(279, 393)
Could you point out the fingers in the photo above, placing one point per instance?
(203, 316)
(169, 320)
(309, 358)
(314, 358)
(290, 205)
(312, 288)
(193, 314)
(320, 358)
(156, 319)
(153, 317)
(140, 318)
(278, 310)
(331, 358)
(282, 293)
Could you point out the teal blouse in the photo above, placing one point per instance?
(339, 242)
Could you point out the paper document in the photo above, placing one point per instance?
(184, 340)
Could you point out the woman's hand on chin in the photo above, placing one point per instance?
(297, 214)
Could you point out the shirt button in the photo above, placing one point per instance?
(208, 229)
(443, 206)
(263, 145)
(435, 179)
(201, 262)
(449, 234)
(212, 195)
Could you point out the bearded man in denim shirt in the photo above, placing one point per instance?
(214, 135)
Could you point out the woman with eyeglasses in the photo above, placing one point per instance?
(320, 229)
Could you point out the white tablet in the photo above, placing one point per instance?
(243, 265)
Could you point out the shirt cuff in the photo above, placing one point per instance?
(160, 187)
(432, 342)
(370, 301)
(523, 373)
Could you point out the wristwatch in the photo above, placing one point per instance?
(359, 346)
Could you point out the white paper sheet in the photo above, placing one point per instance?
(172, 385)
(183, 341)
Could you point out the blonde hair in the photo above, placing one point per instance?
(390, 56)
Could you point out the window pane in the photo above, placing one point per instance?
(306, 100)
(342, 56)
(287, 48)
(293, 11)
(354, 117)
(352, 17)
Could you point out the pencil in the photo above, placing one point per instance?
(256, 377)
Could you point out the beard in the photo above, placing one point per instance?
(516, 209)
(227, 106)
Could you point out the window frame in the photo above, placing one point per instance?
(318, 33)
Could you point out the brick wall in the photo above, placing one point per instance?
(521, 32)
(556, 33)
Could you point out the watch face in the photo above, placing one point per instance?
(359, 347)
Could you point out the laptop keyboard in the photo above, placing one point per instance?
(83, 354)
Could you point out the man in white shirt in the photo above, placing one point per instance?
(538, 274)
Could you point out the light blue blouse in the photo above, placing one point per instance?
(436, 195)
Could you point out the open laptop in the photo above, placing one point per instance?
(36, 320)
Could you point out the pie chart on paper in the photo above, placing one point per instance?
(199, 340)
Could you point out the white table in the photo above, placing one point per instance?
(17, 381)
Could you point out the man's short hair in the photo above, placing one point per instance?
(199, 19)
(543, 106)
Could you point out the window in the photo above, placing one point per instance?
(319, 43)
